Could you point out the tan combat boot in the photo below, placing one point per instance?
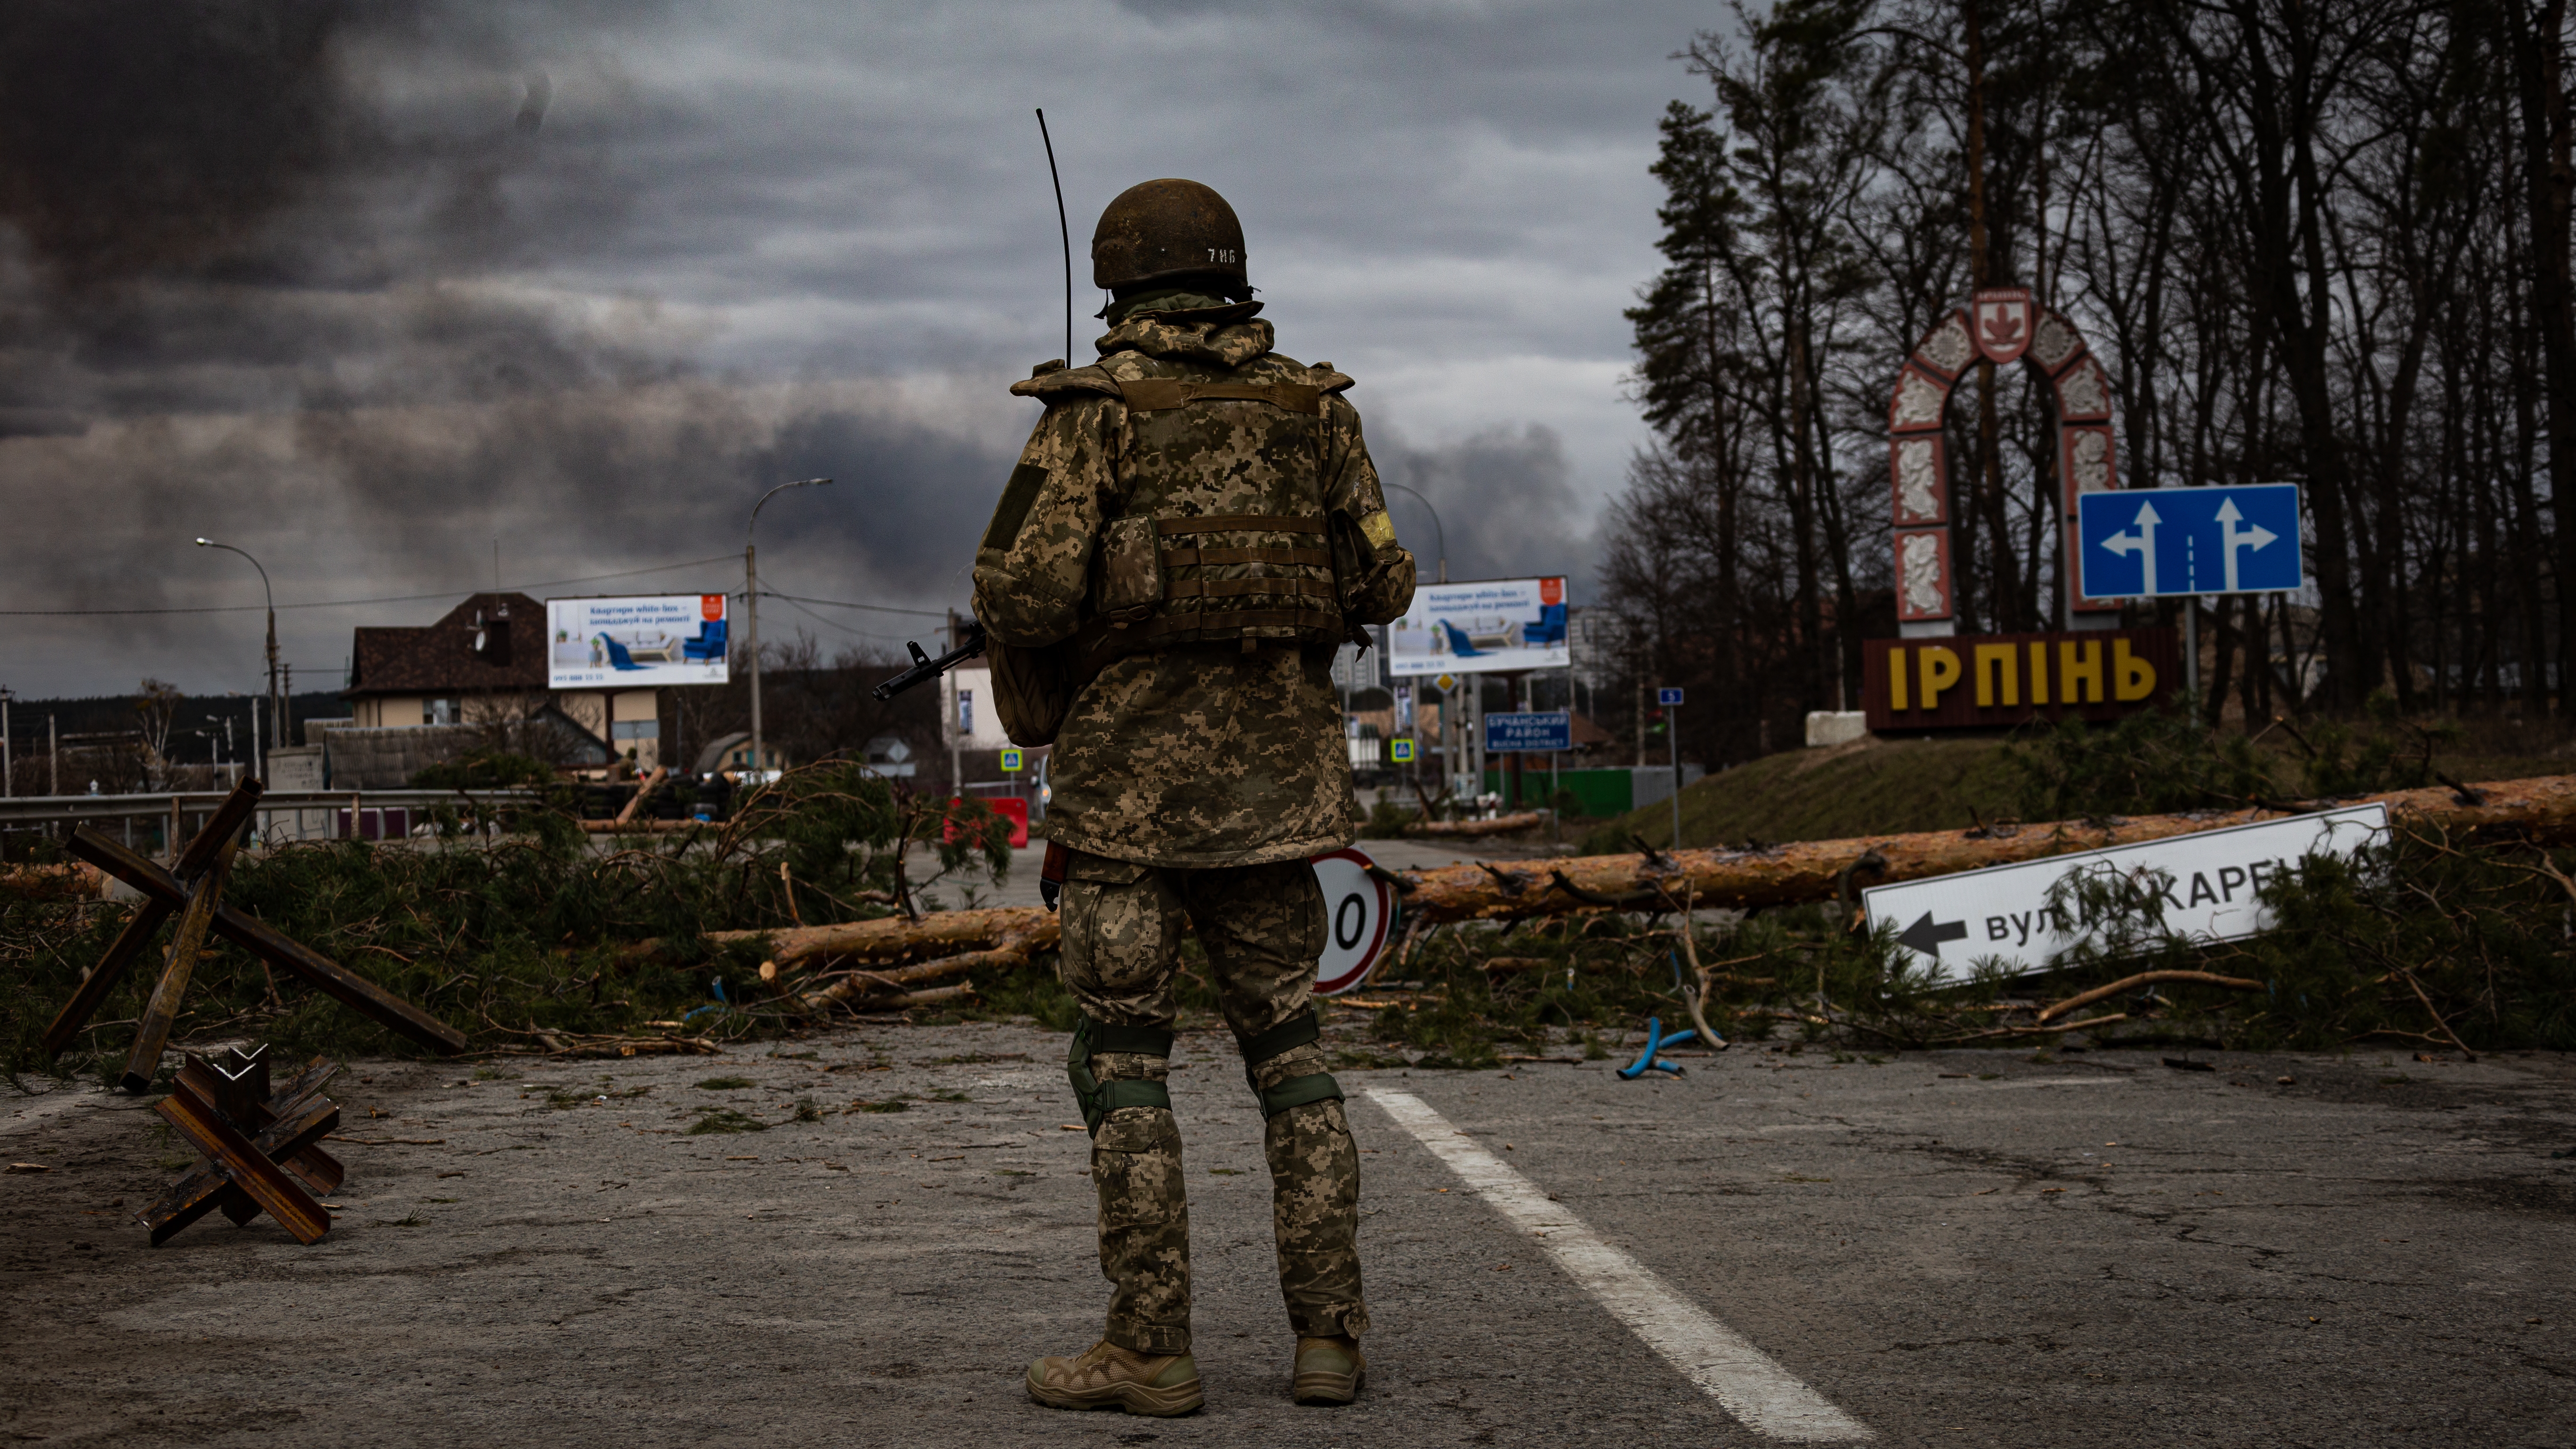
(1329, 1371)
(1106, 1376)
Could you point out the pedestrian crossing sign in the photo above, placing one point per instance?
(1399, 751)
(1013, 761)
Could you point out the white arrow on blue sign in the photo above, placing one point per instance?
(2166, 541)
(1668, 696)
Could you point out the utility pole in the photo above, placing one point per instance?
(8, 788)
(751, 602)
(53, 759)
(955, 727)
(1673, 734)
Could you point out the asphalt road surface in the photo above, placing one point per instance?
(1965, 1248)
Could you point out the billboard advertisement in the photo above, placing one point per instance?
(1495, 626)
(635, 643)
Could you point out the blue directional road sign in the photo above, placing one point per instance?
(1540, 731)
(2157, 542)
(1667, 696)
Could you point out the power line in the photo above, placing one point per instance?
(847, 604)
(833, 623)
(389, 599)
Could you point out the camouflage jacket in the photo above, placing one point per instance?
(1199, 755)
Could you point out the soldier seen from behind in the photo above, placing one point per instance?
(1192, 531)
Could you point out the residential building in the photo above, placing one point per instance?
(464, 669)
(484, 664)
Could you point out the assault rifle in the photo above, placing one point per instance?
(925, 669)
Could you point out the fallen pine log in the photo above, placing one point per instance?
(2542, 810)
(869, 990)
(907, 1001)
(1457, 829)
(578, 1044)
(643, 793)
(885, 939)
(71, 880)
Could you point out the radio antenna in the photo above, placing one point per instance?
(1063, 227)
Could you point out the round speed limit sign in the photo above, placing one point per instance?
(1359, 909)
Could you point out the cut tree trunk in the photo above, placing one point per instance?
(951, 943)
(2543, 810)
(883, 990)
(888, 939)
(72, 880)
(1499, 825)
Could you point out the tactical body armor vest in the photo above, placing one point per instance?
(1223, 536)
(1219, 534)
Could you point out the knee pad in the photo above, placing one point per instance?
(1287, 1036)
(1099, 1098)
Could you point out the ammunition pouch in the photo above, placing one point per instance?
(1168, 580)
(1279, 1040)
(1098, 1098)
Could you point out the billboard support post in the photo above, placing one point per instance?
(751, 602)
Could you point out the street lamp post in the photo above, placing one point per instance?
(751, 603)
(1437, 531)
(1447, 763)
(276, 711)
(8, 787)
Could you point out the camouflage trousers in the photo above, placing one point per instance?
(1262, 927)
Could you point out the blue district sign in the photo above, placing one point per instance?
(2157, 542)
(1535, 731)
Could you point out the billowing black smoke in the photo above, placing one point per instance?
(144, 136)
(290, 272)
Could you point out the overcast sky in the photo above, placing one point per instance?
(364, 289)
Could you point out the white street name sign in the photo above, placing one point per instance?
(1947, 922)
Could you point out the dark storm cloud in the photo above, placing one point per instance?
(142, 136)
(1506, 507)
(362, 286)
(910, 500)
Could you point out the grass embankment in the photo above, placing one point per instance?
(1891, 787)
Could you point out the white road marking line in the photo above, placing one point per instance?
(1758, 1392)
(2059, 1082)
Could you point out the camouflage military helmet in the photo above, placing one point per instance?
(1168, 228)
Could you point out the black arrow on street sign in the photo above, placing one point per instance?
(1926, 937)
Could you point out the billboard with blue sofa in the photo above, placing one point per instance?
(1489, 627)
(635, 643)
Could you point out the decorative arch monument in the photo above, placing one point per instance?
(1931, 677)
(2000, 325)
